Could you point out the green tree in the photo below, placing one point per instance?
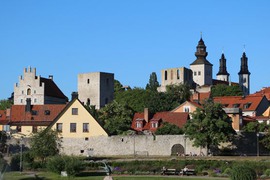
(209, 126)
(45, 143)
(5, 104)
(153, 83)
(225, 90)
(92, 110)
(180, 92)
(118, 87)
(116, 117)
(3, 140)
(168, 128)
(266, 140)
(255, 127)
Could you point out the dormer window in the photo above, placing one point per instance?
(225, 105)
(154, 124)
(247, 105)
(34, 113)
(186, 108)
(236, 105)
(138, 124)
(47, 112)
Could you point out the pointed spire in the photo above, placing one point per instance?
(244, 64)
(222, 66)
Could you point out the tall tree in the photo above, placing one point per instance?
(45, 143)
(225, 90)
(209, 126)
(153, 83)
(116, 118)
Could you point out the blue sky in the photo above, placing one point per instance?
(130, 38)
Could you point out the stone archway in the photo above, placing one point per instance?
(177, 149)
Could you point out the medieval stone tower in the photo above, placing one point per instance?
(201, 67)
(222, 74)
(244, 75)
(96, 88)
(37, 90)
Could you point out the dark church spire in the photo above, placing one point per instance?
(222, 66)
(201, 54)
(244, 65)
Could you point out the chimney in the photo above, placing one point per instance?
(74, 95)
(146, 114)
(51, 77)
(28, 105)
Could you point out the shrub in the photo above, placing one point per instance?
(15, 162)
(56, 164)
(227, 172)
(267, 172)
(243, 173)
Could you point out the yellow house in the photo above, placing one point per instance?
(76, 122)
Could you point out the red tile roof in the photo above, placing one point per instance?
(3, 117)
(39, 115)
(247, 103)
(263, 92)
(177, 118)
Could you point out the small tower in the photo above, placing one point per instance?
(201, 67)
(244, 75)
(222, 74)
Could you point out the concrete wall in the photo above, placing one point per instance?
(127, 145)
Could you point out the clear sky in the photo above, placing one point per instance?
(130, 38)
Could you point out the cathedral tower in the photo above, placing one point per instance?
(222, 74)
(201, 67)
(244, 75)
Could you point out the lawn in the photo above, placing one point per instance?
(52, 176)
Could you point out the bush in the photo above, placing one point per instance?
(71, 164)
(267, 172)
(15, 162)
(243, 173)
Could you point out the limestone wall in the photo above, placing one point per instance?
(128, 145)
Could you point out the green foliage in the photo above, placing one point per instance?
(116, 117)
(71, 164)
(267, 172)
(180, 92)
(92, 110)
(153, 82)
(210, 126)
(15, 162)
(243, 173)
(225, 90)
(255, 127)
(3, 141)
(266, 140)
(45, 143)
(5, 104)
(168, 128)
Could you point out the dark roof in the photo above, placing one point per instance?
(51, 89)
(201, 61)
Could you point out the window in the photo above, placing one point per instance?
(154, 124)
(34, 112)
(138, 125)
(21, 100)
(166, 74)
(86, 138)
(59, 127)
(236, 105)
(28, 91)
(88, 81)
(195, 73)
(22, 92)
(186, 109)
(178, 74)
(199, 73)
(34, 129)
(82, 151)
(47, 112)
(85, 127)
(88, 102)
(106, 100)
(35, 100)
(247, 105)
(74, 111)
(72, 127)
(19, 129)
(34, 91)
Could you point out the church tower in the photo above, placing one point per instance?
(244, 75)
(201, 67)
(222, 74)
